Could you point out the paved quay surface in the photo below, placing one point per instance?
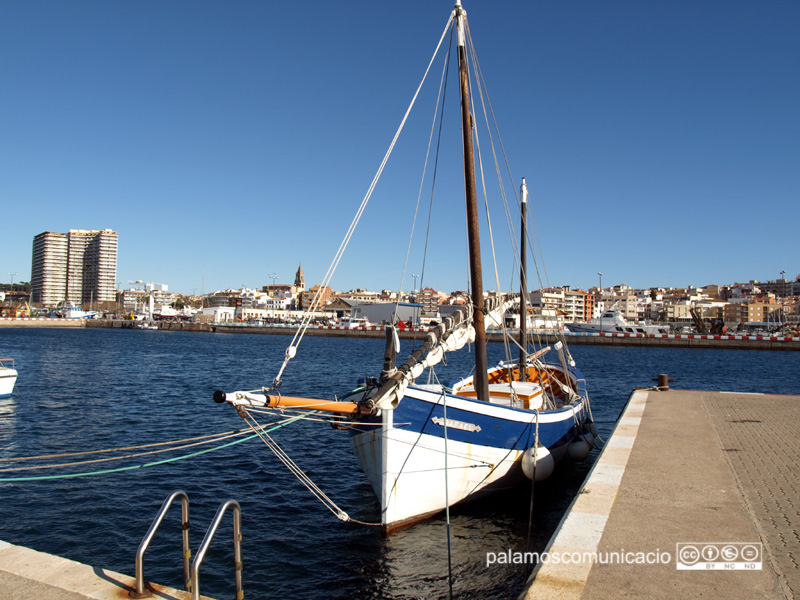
(685, 467)
(26, 574)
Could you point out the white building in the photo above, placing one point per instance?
(216, 314)
(273, 304)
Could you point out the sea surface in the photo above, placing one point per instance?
(92, 389)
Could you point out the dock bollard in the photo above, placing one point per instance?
(663, 382)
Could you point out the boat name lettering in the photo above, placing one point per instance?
(456, 424)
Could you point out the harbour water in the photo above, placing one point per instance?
(90, 389)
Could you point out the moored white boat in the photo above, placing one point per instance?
(76, 312)
(8, 376)
(354, 322)
(612, 321)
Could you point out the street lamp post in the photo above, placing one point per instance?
(600, 293)
(783, 294)
(11, 289)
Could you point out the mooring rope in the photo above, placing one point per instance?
(447, 496)
(533, 486)
(143, 465)
(113, 458)
(123, 449)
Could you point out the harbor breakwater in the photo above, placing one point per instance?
(739, 342)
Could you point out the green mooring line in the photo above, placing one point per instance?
(150, 464)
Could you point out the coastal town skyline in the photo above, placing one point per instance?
(275, 283)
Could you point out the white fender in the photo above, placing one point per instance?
(544, 463)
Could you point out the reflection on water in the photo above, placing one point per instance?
(7, 406)
(92, 389)
(8, 425)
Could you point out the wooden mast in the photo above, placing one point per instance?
(523, 285)
(480, 378)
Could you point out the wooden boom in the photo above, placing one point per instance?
(348, 408)
(245, 399)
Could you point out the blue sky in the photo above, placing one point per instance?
(227, 142)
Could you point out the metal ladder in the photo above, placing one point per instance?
(191, 570)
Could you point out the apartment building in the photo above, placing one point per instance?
(745, 312)
(547, 302)
(49, 268)
(360, 294)
(578, 305)
(679, 311)
(306, 298)
(429, 298)
(76, 267)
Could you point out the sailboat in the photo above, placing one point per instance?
(427, 446)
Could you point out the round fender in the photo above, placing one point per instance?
(544, 463)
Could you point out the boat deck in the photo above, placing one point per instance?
(686, 467)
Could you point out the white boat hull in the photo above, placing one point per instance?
(413, 475)
(612, 321)
(620, 330)
(8, 377)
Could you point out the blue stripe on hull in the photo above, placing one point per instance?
(417, 415)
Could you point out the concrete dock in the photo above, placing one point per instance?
(26, 574)
(709, 480)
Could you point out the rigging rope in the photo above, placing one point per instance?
(293, 467)
(533, 238)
